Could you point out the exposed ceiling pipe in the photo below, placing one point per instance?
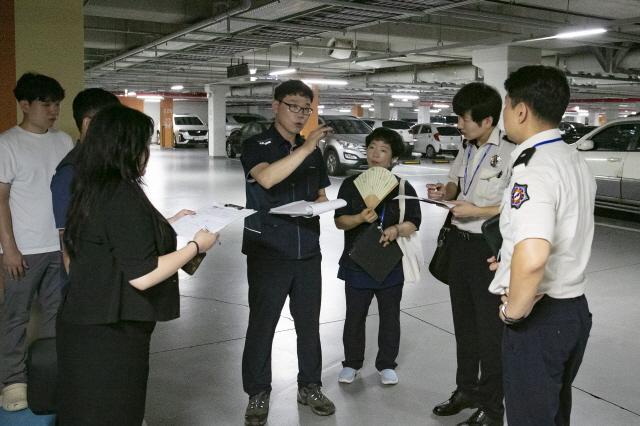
(243, 7)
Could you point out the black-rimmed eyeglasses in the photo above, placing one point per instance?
(297, 108)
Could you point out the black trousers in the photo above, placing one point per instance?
(102, 373)
(476, 323)
(541, 357)
(353, 336)
(270, 282)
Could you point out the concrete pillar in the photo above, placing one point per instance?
(381, 106)
(593, 117)
(357, 110)
(47, 38)
(216, 118)
(611, 111)
(424, 114)
(393, 113)
(312, 122)
(497, 62)
(166, 123)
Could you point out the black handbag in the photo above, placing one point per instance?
(374, 258)
(439, 265)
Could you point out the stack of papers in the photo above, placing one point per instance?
(213, 218)
(308, 208)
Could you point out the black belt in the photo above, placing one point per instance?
(466, 235)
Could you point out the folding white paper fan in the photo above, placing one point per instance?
(375, 184)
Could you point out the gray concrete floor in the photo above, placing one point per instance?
(195, 374)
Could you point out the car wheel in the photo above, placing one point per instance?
(230, 152)
(332, 163)
(430, 152)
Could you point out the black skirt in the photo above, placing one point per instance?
(102, 373)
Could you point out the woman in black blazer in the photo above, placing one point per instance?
(123, 275)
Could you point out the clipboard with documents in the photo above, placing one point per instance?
(308, 208)
(214, 218)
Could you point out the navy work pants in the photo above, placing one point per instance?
(270, 282)
(541, 356)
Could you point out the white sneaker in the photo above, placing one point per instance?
(347, 375)
(14, 397)
(388, 377)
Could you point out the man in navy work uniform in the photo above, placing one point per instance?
(283, 253)
(547, 225)
(85, 105)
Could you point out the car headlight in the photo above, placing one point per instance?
(348, 145)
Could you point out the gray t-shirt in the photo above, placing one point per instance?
(28, 162)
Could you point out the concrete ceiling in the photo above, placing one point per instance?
(420, 45)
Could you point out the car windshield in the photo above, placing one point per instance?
(244, 119)
(348, 127)
(396, 124)
(188, 121)
(448, 131)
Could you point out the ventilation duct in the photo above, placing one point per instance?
(340, 49)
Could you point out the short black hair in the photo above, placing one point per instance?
(38, 87)
(544, 89)
(292, 87)
(479, 100)
(89, 101)
(388, 136)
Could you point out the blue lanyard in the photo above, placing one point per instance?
(547, 142)
(381, 226)
(466, 187)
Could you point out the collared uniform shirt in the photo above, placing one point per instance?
(482, 175)
(280, 236)
(551, 198)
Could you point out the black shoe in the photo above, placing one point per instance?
(458, 402)
(257, 409)
(481, 418)
(312, 396)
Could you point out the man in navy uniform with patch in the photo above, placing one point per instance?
(283, 253)
(547, 225)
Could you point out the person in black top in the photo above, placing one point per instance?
(123, 275)
(283, 253)
(383, 146)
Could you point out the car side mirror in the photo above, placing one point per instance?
(586, 145)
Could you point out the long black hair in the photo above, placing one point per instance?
(115, 151)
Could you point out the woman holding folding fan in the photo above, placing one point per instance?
(356, 218)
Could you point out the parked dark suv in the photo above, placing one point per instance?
(238, 136)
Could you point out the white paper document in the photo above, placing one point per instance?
(445, 204)
(308, 208)
(213, 218)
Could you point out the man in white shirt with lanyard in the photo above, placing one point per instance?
(547, 225)
(477, 180)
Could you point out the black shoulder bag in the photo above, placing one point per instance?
(439, 265)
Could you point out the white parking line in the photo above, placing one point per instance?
(624, 228)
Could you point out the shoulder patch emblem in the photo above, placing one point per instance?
(519, 195)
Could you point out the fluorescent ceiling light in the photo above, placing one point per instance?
(177, 87)
(253, 78)
(390, 103)
(365, 105)
(412, 97)
(151, 97)
(283, 72)
(253, 70)
(580, 33)
(372, 109)
(440, 105)
(415, 110)
(324, 81)
(434, 111)
(344, 110)
(126, 93)
(320, 106)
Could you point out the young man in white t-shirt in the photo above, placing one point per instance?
(31, 261)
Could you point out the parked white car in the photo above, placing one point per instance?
(188, 129)
(235, 120)
(612, 152)
(436, 139)
(399, 126)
